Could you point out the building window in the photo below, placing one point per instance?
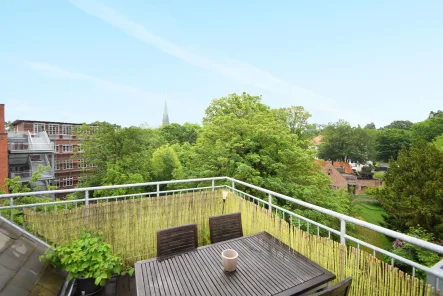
(57, 148)
(68, 182)
(67, 147)
(56, 182)
(81, 164)
(53, 129)
(67, 129)
(39, 127)
(57, 165)
(67, 164)
(80, 148)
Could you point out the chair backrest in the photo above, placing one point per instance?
(225, 227)
(175, 240)
(341, 289)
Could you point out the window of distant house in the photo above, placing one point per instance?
(67, 182)
(56, 182)
(57, 148)
(39, 127)
(67, 147)
(67, 164)
(53, 129)
(57, 165)
(79, 148)
(329, 172)
(66, 129)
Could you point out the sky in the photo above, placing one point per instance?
(118, 61)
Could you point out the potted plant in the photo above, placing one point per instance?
(89, 259)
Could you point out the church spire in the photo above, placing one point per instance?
(165, 115)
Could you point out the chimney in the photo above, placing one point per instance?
(3, 151)
(2, 118)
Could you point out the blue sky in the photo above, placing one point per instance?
(117, 61)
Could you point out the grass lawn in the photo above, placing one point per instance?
(372, 213)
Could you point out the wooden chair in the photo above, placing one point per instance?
(341, 289)
(175, 240)
(225, 227)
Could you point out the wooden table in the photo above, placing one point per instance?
(266, 266)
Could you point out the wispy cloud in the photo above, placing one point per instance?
(107, 85)
(239, 71)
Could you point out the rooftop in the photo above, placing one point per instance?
(129, 223)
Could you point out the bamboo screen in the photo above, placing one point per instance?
(131, 225)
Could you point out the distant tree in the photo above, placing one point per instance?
(370, 126)
(390, 141)
(164, 162)
(429, 129)
(412, 194)
(8, 126)
(175, 133)
(342, 142)
(296, 118)
(400, 124)
(439, 142)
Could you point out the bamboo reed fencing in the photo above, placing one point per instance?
(130, 226)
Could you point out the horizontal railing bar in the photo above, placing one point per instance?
(53, 203)
(108, 187)
(392, 255)
(394, 234)
(24, 232)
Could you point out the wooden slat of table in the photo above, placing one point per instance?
(265, 267)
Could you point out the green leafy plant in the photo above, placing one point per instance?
(89, 256)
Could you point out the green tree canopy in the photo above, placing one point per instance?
(342, 142)
(296, 118)
(429, 129)
(243, 138)
(175, 133)
(390, 141)
(400, 124)
(370, 126)
(413, 192)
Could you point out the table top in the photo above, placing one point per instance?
(266, 266)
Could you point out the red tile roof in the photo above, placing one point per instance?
(347, 166)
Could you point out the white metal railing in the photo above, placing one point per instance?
(287, 215)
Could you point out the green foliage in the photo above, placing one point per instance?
(438, 142)
(370, 126)
(413, 252)
(243, 138)
(413, 192)
(342, 142)
(400, 124)
(86, 257)
(175, 133)
(429, 129)
(164, 162)
(296, 117)
(390, 141)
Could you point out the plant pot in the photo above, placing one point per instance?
(87, 287)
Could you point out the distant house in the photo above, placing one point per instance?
(343, 177)
(343, 167)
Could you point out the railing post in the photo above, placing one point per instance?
(213, 185)
(233, 187)
(158, 190)
(342, 231)
(270, 202)
(86, 197)
(11, 203)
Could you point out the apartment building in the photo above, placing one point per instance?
(33, 143)
(67, 164)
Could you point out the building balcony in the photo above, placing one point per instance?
(30, 143)
(129, 223)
